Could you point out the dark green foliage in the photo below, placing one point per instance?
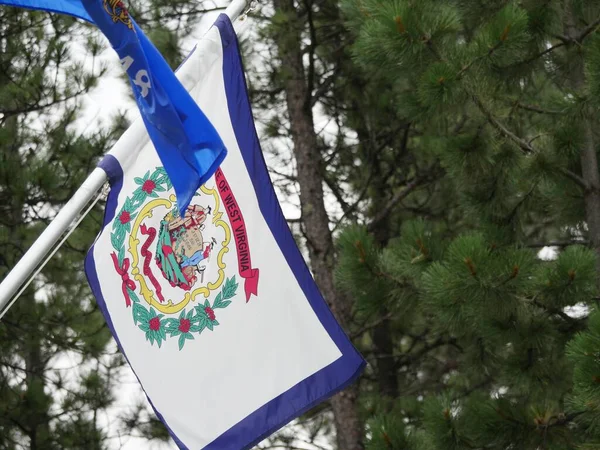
(43, 160)
(481, 318)
(492, 346)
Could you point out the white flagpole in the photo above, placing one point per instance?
(37, 256)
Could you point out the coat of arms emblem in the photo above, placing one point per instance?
(116, 9)
(184, 246)
(173, 267)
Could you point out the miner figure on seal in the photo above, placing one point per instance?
(181, 246)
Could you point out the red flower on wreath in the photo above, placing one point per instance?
(210, 313)
(124, 217)
(154, 324)
(148, 186)
(184, 325)
(157, 329)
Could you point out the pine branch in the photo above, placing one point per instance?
(565, 419)
(397, 198)
(39, 107)
(322, 89)
(537, 109)
(535, 57)
(489, 53)
(486, 381)
(526, 147)
(580, 181)
(587, 31)
(291, 178)
(550, 310)
(337, 192)
(565, 41)
(370, 326)
(409, 359)
(354, 205)
(308, 101)
(556, 244)
(523, 145)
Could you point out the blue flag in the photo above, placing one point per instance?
(188, 145)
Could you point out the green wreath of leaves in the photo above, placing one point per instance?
(156, 327)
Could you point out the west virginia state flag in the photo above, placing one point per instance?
(214, 307)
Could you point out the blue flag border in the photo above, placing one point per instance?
(322, 384)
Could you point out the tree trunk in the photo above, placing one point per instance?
(319, 240)
(22, 322)
(589, 169)
(387, 377)
(588, 156)
(37, 415)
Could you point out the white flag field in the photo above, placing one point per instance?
(215, 308)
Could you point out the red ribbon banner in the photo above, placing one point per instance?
(238, 227)
(147, 254)
(124, 273)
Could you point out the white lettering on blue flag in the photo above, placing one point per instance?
(189, 147)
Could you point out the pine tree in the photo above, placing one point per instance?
(491, 346)
(43, 161)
